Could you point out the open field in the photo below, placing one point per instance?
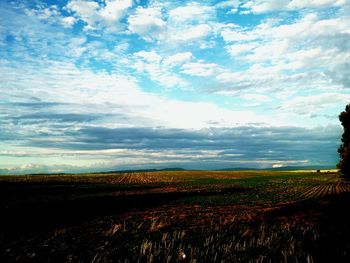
(180, 216)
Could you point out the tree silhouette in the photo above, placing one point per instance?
(344, 148)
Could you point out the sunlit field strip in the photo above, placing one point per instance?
(324, 190)
(307, 192)
(342, 188)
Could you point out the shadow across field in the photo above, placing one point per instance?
(330, 216)
(35, 189)
(29, 207)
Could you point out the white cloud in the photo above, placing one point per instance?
(272, 51)
(99, 16)
(232, 4)
(264, 6)
(280, 164)
(299, 4)
(194, 115)
(183, 25)
(229, 77)
(238, 49)
(232, 35)
(191, 33)
(147, 22)
(307, 53)
(85, 10)
(51, 15)
(152, 63)
(254, 100)
(149, 56)
(200, 69)
(114, 10)
(178, 59)
(161, 69)
(191, 12)
(256, 97)
(119, 95)
(68, 21)
(311, 105)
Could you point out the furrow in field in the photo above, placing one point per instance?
(334, 189)
(323, 190)
(326, 190)
(307, 192)
(298, 194)
(329, 189)
(338, 188)
(347, 186)
(318, 191)
(341, 188)
(344, 188)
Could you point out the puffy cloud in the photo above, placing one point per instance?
(310, 52)
(232, 35)
(200, 69)
(114, 10)
(187, 24)
(96, 15)
(264, 6)
(191, 12)
(238, 49)
(178, 59)
(85, 10)
(147, 22)
(190, 33)
(298, 4)
(150, 56)
(151, 63)
(232, 4)
(51, 14)
(68, 21)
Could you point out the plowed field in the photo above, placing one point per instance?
(179, 216)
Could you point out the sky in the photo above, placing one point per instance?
(134, 84)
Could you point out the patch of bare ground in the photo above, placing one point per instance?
(136, 178)
(141, 178)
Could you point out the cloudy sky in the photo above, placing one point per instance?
(122, 84)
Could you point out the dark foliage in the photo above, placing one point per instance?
(344, 148)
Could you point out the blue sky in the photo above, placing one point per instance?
(122, 84)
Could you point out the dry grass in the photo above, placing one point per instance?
(136, 178)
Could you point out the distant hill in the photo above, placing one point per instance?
(284, 168)
(143, 170)
(303, 168)
(238, 169)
